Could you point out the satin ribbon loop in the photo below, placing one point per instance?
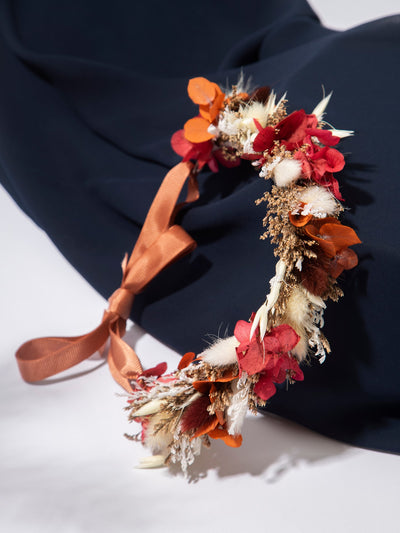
(170, 246)
(160, 243)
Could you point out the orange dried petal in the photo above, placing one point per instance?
(204, 111)
(299, 220)
(196, 130)
(241, 96)
(341, 236)
(186, 360)
(326, 245)
(347, 258)
(202, 386)
(230, 375)
(210, 112)
(216, 106)
(201, 91)
(231, 440)
(210, 425)
(344, 260)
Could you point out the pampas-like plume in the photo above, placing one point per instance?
(287, 171)
(275, 284)
(157, 441)
(298, 317)
(222, 352)
(254, 110)
(304, 313)
(149, 408)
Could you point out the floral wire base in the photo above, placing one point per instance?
(209, 395)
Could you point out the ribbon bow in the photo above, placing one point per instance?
(159, 244)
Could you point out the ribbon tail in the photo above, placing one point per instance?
(44, 357)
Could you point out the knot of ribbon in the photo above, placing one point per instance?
(160, 243)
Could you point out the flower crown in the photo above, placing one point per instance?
(208, 396)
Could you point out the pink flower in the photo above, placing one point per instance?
(284, 367)
(201, 152)
(256, 355)
(269, 357)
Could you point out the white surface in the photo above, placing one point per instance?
(344, 14)
(66, 468)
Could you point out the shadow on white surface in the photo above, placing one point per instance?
(271, 448)
(67, 376)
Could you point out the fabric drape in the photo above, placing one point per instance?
(90, 95)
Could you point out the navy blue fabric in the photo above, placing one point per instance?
(90, 94)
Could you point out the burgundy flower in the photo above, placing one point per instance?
(293, 131)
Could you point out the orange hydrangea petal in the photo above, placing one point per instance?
(347, 258)
(318, 222)
(341, 236)
(327, 246)
(331, 235)
(216, 106)
(231, 440)
(299, 220)
(202, 386)
(186, 360)
(201, 91)
(230, 375)
(211, 112)
(196, 130)
(344, 260)
(204, 111)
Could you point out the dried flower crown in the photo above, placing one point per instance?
(208, 396)
(210, 393)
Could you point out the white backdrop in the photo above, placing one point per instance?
(66, 468)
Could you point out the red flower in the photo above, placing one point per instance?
(318, 165)
(284, 367)
(293, 131)
(201, 152)
(256, 355)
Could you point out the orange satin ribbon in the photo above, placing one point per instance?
(159, 244)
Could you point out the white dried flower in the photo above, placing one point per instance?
(319, 109)
(287, 171)
(318, 201)
(153, 461)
